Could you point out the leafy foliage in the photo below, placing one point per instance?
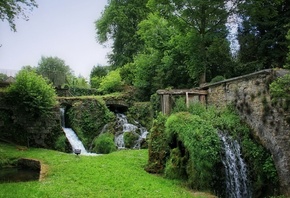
(119, 23)
(130, 139)
(202, 28)
(217, 79)
(280, 88)
(201, 142)
(3, 77)
(31, 95)
(161, 62)
(61, 143)
(195, 148)
(157, 146)
(262, 34)
(54, 69)
(87, 118)
(105, 144)
(141, 111)
(9, 10)
(97, 73)
(111, 82)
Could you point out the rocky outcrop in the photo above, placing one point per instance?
(270, 122)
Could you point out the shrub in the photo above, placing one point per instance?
(197, 137)
(111, 83)
(31, 94)
(280, 88)
(157, 146)
(105, 144)
(217, 79)
(60, 143)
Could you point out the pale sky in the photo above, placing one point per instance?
(62, 28)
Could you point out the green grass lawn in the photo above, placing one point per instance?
(119, 174)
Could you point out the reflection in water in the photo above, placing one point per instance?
(17, 175)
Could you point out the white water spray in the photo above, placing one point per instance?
(72, 137)
(128, 128)
(237, 185)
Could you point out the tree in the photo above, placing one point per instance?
(119, 23)
(262, 33)
(97, 73)
(31, 95)
(202, 24)
(3, 77)
(160, 64)
(11, 9)
(54, 69)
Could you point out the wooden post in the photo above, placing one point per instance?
(186, 99)
(166, 106)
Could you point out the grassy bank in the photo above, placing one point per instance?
(120, 174)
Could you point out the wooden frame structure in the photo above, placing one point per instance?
(191, 96)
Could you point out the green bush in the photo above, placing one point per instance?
(157, 146)
(217, 79)
(280, 88)
(105, 144)
(111, 82)
(31, 95)
(198, 137)
(60, 143)
(81, 91)
(176, 165)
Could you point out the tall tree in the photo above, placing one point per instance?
(119, 23)
(54, 69)
(11, 9)
(262, 34)
(160, 64)
(203, 24)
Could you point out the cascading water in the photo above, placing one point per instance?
(72, 137)
(126, 128)
(237, 185)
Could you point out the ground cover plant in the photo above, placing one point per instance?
(119, 174)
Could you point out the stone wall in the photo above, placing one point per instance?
(250, 95)
(38, 132)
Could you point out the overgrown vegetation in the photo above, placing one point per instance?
(31, 95)
(87, 118)
(195, 149)
(280, 89)
(104, 144)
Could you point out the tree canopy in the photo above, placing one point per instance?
(119, 23)
(262, 33)
(182, 44)
(54, 69)
(11, 9)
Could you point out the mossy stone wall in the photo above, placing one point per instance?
(251, 96)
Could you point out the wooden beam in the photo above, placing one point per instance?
(181, 92)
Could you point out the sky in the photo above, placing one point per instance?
(61, 28)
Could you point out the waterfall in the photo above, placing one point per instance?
(128, 128)
(72, 137)
(237, 185)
